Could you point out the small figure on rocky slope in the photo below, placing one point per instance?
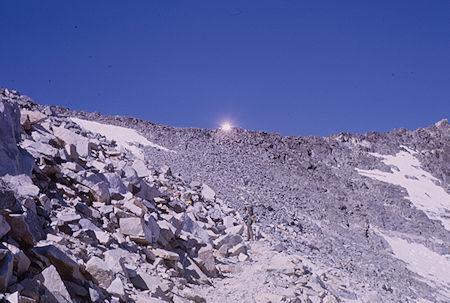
(249, 218)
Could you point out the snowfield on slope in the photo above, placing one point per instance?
(125, 137)
(433, 200)
(423, 261)
(420, 184)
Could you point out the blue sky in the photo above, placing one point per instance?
(288, 66)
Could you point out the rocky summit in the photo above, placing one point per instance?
(98, 208)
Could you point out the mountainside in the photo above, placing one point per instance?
(369, 214)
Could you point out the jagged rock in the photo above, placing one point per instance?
(66, 136)
(230, 240)
(155, 284)
(31, 288)
(87, 224)
(81, 144)
(116, 289)
(7, 198)
(88, 211)
(165, 254)
(209, 262)
(101, 192)
(21, 261)
(238, 249)
(95, 295)
(73, 166)
(115, 260)
(4, 226)
(185, 223)
(6, 271)
(128, 172)
(283, 264)
(207, 193)
(193, 272)
(71, 151)
(243, 257)
(54, 285)
(116, 185)
(76, 289)
(154, 227)
(69, 218)
(106, 209)
(103, 237)
(83, 147)
(228, 221)
(99, 271)
(133, 208)
(20, 299)
(235, 230)
(13, 159)
(67, 268)
(140, 168)
(137, 229)
(13, 298)
(37, 149)
(22, 185)
(26, 228)
(167, 230)
(192, 296)
(33, 117)
(147, 192)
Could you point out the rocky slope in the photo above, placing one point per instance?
(86, 220)
(362, 218)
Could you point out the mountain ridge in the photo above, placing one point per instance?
(319, 196)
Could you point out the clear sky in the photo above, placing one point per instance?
(289, 66)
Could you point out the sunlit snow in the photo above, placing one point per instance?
(423, 192)
(423, 261)
(126, 137)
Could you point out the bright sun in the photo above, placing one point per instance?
(226, 126)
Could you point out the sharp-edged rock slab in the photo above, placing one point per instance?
(4, 226)
(208, 193)
(99, 271)
(13, 160)
(101, 192)
(137, 229)
(238, 249)
(22, 185)
(7, 198)
(116, 185)
(25, 228)
(33, 117)
(155, 284)
(67, 268)
(6, 271)
(21, 261)
(54, 285)
(116, 289)
(165, 254)
(209, 262)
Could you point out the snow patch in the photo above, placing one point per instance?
(125, 137)
(423, 192)
(423, 261)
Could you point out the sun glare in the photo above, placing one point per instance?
(226, 126)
